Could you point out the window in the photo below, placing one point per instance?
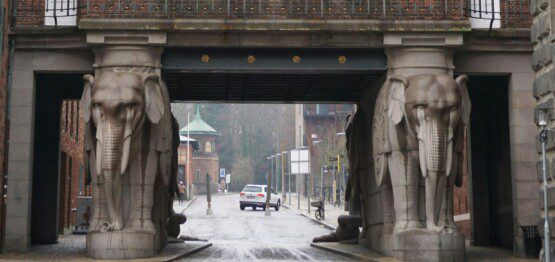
(65, 112)
(482, 12)
(197, 175)
(60, 12)
(77, 122)
(208, 147)
(71, 118)
(252, 189)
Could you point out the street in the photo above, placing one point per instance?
(249, 235)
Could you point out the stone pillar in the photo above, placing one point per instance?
(140, 234)
(411, 54)
(544, 91)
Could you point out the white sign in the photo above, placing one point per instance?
(228, 178)
(300, 161)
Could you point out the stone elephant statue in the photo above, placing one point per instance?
(418, 129)
(130, 153)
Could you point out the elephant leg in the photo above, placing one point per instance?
(109, 193)
(403, 167)
(449, 203)
(435, 184)
(387, 207)
(100, 219)
(135, 172)
(150, 173)
(117, 195)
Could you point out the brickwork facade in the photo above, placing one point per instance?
(72, 175)
(205, 160)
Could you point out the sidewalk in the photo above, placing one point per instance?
(331, 212)
(180, 207)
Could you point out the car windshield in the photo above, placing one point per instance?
(252, 189)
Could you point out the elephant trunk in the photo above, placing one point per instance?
(435, 159)
(111, 148)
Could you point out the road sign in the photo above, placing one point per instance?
(228, 178)
(222, 172)
(300, 161)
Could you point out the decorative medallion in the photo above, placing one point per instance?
(296, 59)
(250, 59)
(342, 59)
(205, 58)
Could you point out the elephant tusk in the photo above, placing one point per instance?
(127, 141)
(449, 160)
(422, 136)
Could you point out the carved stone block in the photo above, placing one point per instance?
(121, 245)
(426, 245)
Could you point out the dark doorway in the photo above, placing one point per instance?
(491, 162)
(50, 90)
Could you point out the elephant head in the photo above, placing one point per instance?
(119, 103)
(432, 109)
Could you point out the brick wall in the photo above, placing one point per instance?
(72, 175)
(544, 88)
(205, 162)
(31, 12)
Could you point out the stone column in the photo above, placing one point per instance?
(544, 91)
(141, 232)
(411, 54)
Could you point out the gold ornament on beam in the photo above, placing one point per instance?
(250, 59)
(205, 58)
(296, 59)
(342, 59)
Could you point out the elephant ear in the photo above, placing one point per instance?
(396, 102)
(86, 97)
(465, 99)
(154, 100)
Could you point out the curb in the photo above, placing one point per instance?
(188, 204)
(312, 218)
(188, 253)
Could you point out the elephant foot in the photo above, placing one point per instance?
(101, 225)
(148, 226)
(433, 227)
(400, 226)
(138, 225)
(113, 227)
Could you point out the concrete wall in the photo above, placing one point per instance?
(522, 129)
(20, 159)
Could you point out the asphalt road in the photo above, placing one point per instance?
(249, 235)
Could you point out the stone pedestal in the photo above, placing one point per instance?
(121, 245)
(426, 245)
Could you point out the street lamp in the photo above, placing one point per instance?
(283, 195)
(277, 173)
(268, 186)
(543, 122)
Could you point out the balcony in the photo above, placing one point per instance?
(59, 13)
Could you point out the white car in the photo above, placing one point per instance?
(255, 196)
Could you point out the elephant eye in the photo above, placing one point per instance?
(416, 106)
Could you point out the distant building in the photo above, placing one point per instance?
(72, 176)
(205, 159)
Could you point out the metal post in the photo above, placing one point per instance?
(268, 189)
(298, 190)
(283, 195)
(546, 228)
(309, 191)
(208, 195)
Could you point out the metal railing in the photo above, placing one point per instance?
(36, 12)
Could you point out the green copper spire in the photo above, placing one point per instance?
(198, 126)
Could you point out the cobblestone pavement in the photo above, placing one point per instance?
(250, 235)
(331, 211)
